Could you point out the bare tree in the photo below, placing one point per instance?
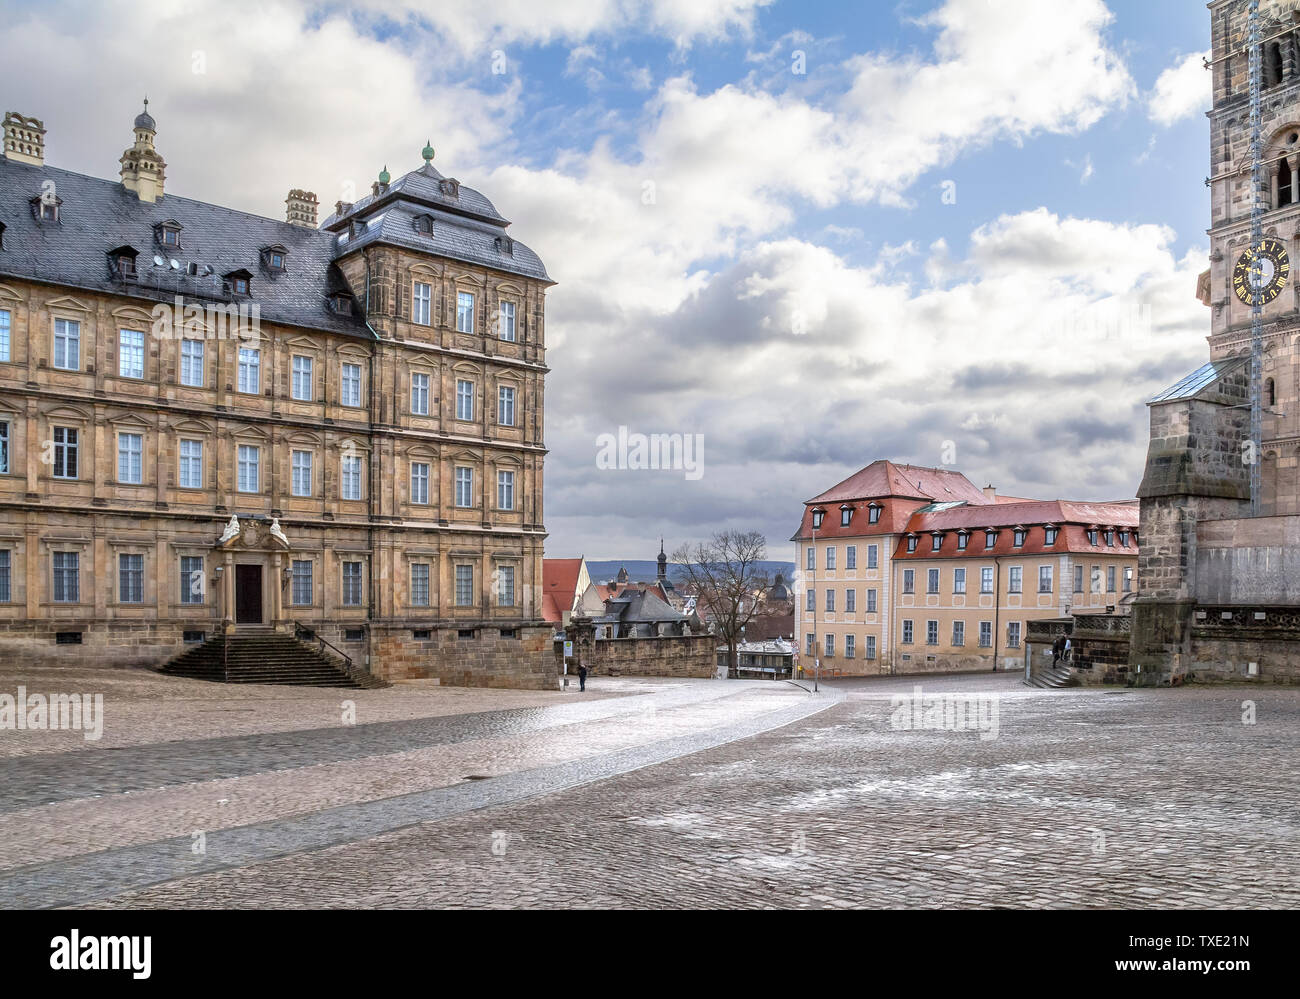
(724, 576)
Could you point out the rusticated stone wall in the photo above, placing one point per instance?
(671, 655)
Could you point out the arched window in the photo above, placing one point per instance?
(1286, 194)
(1270, 393)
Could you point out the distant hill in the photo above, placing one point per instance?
(646, 569)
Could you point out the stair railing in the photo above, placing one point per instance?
(225, 659)
(305, 634)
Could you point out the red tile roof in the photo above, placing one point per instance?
(559, 585)
(1074, 520)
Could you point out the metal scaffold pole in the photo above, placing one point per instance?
(1257, 260)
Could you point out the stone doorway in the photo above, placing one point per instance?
(248, 594)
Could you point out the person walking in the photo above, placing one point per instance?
(1065, 655)
(582, 677)
(1058, 649)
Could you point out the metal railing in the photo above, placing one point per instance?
(306, 634)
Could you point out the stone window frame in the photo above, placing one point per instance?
(429, 371)
(465, 373)
(65, 418)
(358, 359)
(342, 558)
(78, 548)
(959, 633)
(1015, 579)
(508, 293)
(459, 562)
(515, 564)
(130, 429)
(132, 548)
(421, 454)
(509, 380)
(310, 559)
(184, 551)
(81, 322)
(310, 449)
(248, 437)
(511, 464)
(12, 436)
(352, 447)
(192, 432)
(933, 581)
(1048, 578)
(296, 353)
(429, 282)
(909, 581)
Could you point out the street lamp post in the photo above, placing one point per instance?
(817, 657)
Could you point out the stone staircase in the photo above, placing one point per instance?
(1052, 677)
(267, 656)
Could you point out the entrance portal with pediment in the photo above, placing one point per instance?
(251, 555)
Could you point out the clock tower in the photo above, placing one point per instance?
(1234, 283)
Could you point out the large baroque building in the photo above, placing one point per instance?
(213, 422)
(905, 569)
(1220, 589)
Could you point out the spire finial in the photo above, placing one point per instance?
(384, 176)
(427, 151)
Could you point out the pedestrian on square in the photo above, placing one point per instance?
(582, 677)
(1065, 657)
(1058, 649)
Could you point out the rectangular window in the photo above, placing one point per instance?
(986, 580)
(850, 556)
(809, 644)
(421, 297)
(350, 481)
(250, 370)
(67, 578)
(850, 646)
(130, 458)
(4, 447)
(301, 387)
(351, 584)
(191, 588)
(909, 580)
(464, 400)
(508, 321)
(869, 647)
(464, 312)
(67, 344)
(830, 601)
(192, 363)
(1044, 579)
(130, 353)
(350, 385)
(1078, 579)
(932, 581)
(986, 634)
(506, 585)
(873, 556)
(907, 632)
(959, 581)
(1110, 579)
(300, 473)
(464, 486)
(1128, 579)
(302, 579)
(1096, 579)
(850, 601)
(1013, 634)
(130, 579)
(190, 467)
(65, 453)
(810, 600)
(250, 459)
(506, 406)
(420, 394)
(420, 482)
(959, 633)
(505, 490)
(419, 584)
(931, 632)
(812, 559)
(871, 601)
(4, 335)
(5, 570)
(1015, 579)
(464, 586)
(830, 558)
(830, 646)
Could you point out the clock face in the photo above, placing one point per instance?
(1274, 271)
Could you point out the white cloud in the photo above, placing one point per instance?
(1182, 90)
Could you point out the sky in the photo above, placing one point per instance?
(953, 233)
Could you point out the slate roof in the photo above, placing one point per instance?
(466, 225)
(98, 215)
(634, 606)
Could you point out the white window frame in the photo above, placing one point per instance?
(130, 459)
(130, 355)
(419, 393)
(420, 482)
(192, 361)
(301, 584)
(506, 405)
(70, 446)
(464, 399)
(132, 574)
(505, 585)
(189, 576)
(464, 487)
(300, 472)
(249, 378)
(350, 477)
(507, 322)
(465, 302)
(302, 378)
(421, 593)
(189, 466)
(463, 576)
(5, 327)
(421, 303)
(248, 459)
(67, 345)
(350, 385)
(505, 489)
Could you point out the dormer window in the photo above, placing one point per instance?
(1049, 535)
(356, 228)
(341, 303)
(1110, 539)
(963, 538)
(817, 519)
(911, 542)
(239, 282)
(2, 235)
(1092, 535)
(505, 245)
(846, 516)
(46, 207)
(424, 225)
(936, 542)
(168, 234)
(122, 260)
(873, 513)
(274, 257)
(450, 187)
(990, 539)
(1018, 537)
(1123, 538)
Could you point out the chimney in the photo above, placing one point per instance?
(300, 209)
(24, 139)
(990, 494)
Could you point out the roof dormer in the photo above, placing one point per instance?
(275, 258)
(46, 207)
(505, 245)
(340, 303)
(240, 282)
(449, 186)
(121, 260)
(424, 224)
(168, 234)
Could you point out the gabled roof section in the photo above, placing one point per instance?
(426, 186)
(884, 478)
(1201, 383)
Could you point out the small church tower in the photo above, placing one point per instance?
(143, 168)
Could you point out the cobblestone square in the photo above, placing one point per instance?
(656, 793)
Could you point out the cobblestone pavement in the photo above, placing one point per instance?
(1086, 798)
